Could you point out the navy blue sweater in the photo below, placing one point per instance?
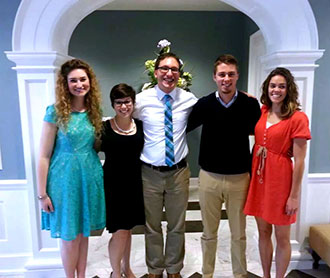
(224, 146)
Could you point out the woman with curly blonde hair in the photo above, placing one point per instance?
(92, 101)
(70, 176)
(273, 198)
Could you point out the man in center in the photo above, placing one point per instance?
(228, 117)
(164, 111)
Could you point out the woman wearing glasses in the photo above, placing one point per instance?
(122, 143)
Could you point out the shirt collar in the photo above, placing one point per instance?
(230, 102)
(161, 94)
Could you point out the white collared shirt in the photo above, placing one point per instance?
(222, 102)
(149, 108)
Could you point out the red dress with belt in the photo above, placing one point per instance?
(272, 167)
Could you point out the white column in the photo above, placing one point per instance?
(36, 76)
(302, 66)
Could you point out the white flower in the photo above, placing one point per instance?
(184, 81)
(146, 86)
(163, 43)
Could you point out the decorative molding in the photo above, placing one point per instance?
(319, 178)
(300, 35)
(293, 60)
(257, 72)
(43, 25)
(36, 84)
(50, 268)
(3, 231)
(37, 62)
(318, 205)
(13, 264)
(15, 242)
(0, 159)
(13, 185)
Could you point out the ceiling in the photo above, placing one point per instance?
(168, 5)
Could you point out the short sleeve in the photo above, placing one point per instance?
(137, 107)
(300, 126)
(50, 114)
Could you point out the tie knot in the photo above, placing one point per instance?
(167, 97)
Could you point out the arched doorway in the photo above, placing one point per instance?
(40, 44)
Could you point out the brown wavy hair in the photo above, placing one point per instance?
(64, 97)
(291, 102)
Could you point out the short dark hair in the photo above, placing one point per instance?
(291, 102)
(121, 90)
(226, 59)
(163, 56)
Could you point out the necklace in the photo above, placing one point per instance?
(125, 131)
(74, 109)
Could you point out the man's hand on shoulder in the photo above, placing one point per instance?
(249, 95)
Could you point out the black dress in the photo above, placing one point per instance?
(122, 178)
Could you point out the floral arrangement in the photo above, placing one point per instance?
(185, 78)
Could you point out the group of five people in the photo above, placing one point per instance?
(146, 172)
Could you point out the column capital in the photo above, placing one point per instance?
(36, 62)
(293, 60)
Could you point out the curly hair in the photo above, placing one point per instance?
(64, 97)
(291, 102)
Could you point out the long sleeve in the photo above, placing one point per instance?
(195, 118)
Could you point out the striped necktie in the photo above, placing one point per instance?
(169, 145)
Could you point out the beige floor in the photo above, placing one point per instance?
(98, 261)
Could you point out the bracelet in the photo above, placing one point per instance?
(42, 197)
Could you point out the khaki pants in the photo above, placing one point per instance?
(215, 189)
(169, 190)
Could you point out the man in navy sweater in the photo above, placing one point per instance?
(227, 117)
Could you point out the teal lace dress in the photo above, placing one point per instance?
(75, 180)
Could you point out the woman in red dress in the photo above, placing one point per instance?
(274, 190)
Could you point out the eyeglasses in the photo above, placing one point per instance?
(166, 69)
(120, 103)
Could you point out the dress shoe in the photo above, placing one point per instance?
(151, 275)
(174, 275)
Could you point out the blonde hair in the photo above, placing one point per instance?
(64, 97)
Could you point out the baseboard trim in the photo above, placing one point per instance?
(39, 268)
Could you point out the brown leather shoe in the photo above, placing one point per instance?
(174, 275)
(151, 275)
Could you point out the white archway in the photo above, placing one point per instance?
(47, 25)
(41, 36)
